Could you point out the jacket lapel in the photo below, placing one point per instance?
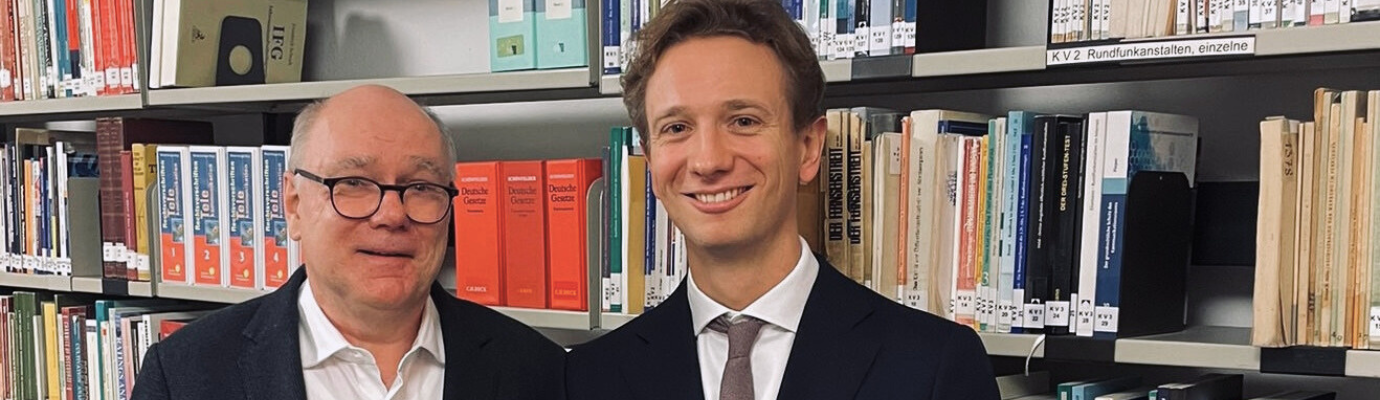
(833, 348)
(271, 364)
(469, 371)
(665, 363)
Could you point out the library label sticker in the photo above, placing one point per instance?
(1374, 322)
(1107, 319)
(1057, 313)
(1153, 50)
(1035, 316)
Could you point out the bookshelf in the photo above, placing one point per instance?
(1012, 61)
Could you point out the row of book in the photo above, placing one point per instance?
(1090, 20)
(1207, 387)
(222, 43)
(842, 29)
(221, 217)
(1317, 259)
(522, 232)
(537, 34)
(34, 171)
(1022, 223)
(74, 347)
(67, 48)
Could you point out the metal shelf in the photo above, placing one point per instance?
(412, 86)
(39, 282)
(206, 293)
(555, 319)
(834, 71)
(98, 286)
(75, 105)
(1010, 344)
(1318, 39)
(983, 61)
(1363, 363)
(611, 321)
(1199, 347)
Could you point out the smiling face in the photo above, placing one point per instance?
(385, 261)
(724, 157)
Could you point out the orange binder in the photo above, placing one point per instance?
(478, 245)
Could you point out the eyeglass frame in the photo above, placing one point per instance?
(330, 183)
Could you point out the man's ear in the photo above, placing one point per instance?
(291, 200)
(811, 144)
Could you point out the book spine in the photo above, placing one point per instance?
(524, 233)
(127, 245)
(910, 169)
(567, 183)
(240, 170)
(275, 233)
(853, 186)
(1017, 123)
(206, 245)
(610, 34)
(478, 210)
(1040, 221)
(862, 29)
(847, 42)
(1064, 249)
(129, 57)
(1094, 159)
(835, 222)
(912, 10)
(969, 270)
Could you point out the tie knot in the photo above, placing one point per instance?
(741, 335)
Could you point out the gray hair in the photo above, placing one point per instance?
(305, 119)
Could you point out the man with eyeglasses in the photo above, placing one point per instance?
(368, 196)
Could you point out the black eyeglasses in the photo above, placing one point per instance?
(357, 197)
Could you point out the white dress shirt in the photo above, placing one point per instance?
(333, 369)
(781, 309)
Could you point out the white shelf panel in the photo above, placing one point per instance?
(414, 86)
(611, 321)
(1363, 363)
(1010, 344)
(39, 282)
(983, 61)
(1318, 39)
(96, 285)
(1201, 347)
(837, 70)
(555, 319)
(206, 293)
(72, 105)
(87, 285)
(611, 84)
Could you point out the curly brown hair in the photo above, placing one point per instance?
(757, 21)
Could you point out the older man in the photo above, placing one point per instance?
(727, 96)
(368, 195)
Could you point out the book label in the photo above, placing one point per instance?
(1057, 313)
(1375, 322)
(611, 55)
(1152, 50)
(1106, 319)
(898, 34)
(558, 9)
(965, 299)
(1034, 316)
(1017, 309)
(509, 11)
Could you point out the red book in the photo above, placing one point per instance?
(478, 245)
(524, 233)
(128, 56)
(9, 55)
(168, 326)
(567, 191)
(74, 44)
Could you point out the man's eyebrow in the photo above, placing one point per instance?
(673, 111)
(355, 162)
(428, 165)
(740, 104)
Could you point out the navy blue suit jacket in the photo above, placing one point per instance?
(250, 351)
(851, 344)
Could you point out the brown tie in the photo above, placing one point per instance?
(737, 379)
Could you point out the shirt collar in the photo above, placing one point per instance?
(321, 339)
(781, 306)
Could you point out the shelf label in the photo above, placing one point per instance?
(1034, 316)
(1375, 322)
(1106, 319)
(1151, 50)
(510, 11)
(558, 9)
(1057, 313)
